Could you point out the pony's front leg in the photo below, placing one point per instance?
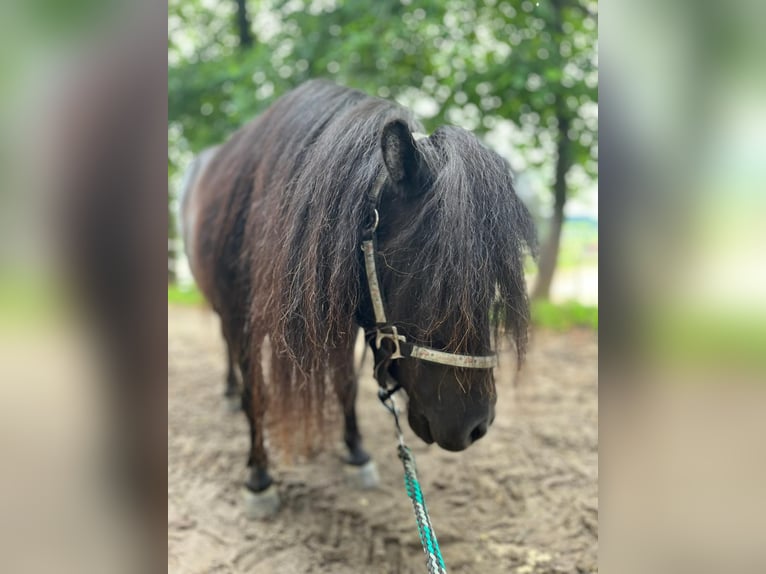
(261, 496)
(357, 456)
(361, 467)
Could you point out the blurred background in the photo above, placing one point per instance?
(521, 75)
(682, 179)
(83, 185)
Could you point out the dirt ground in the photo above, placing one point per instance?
(524, 499)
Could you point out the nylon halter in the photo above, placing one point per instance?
(384, 330)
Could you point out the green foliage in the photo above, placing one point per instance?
(185, 295)
(563, 316)
(469, 62)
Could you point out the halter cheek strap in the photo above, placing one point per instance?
(386, 331)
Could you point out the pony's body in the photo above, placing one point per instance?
(273, 221)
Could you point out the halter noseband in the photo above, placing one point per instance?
(385, 330)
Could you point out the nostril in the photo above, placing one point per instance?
(479, 432)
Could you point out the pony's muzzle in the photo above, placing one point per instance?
(459, 437)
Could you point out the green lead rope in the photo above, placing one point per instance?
(434, 560)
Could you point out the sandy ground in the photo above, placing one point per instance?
(524, 499)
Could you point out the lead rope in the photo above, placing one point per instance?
(434, 560)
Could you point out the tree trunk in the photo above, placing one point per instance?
(550, 250)
(243, 25)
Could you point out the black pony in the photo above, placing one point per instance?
(274, 219)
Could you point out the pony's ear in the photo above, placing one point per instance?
(400, 155)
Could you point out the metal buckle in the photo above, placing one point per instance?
(394, 336)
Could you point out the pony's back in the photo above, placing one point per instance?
(187, 206)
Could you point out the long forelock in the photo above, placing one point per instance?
(472, 233)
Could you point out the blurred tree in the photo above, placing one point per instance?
(474, 63)
(243, 25)
(552, 91)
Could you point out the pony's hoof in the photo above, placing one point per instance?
(364, 476)
(260, 505)
(232, 403)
